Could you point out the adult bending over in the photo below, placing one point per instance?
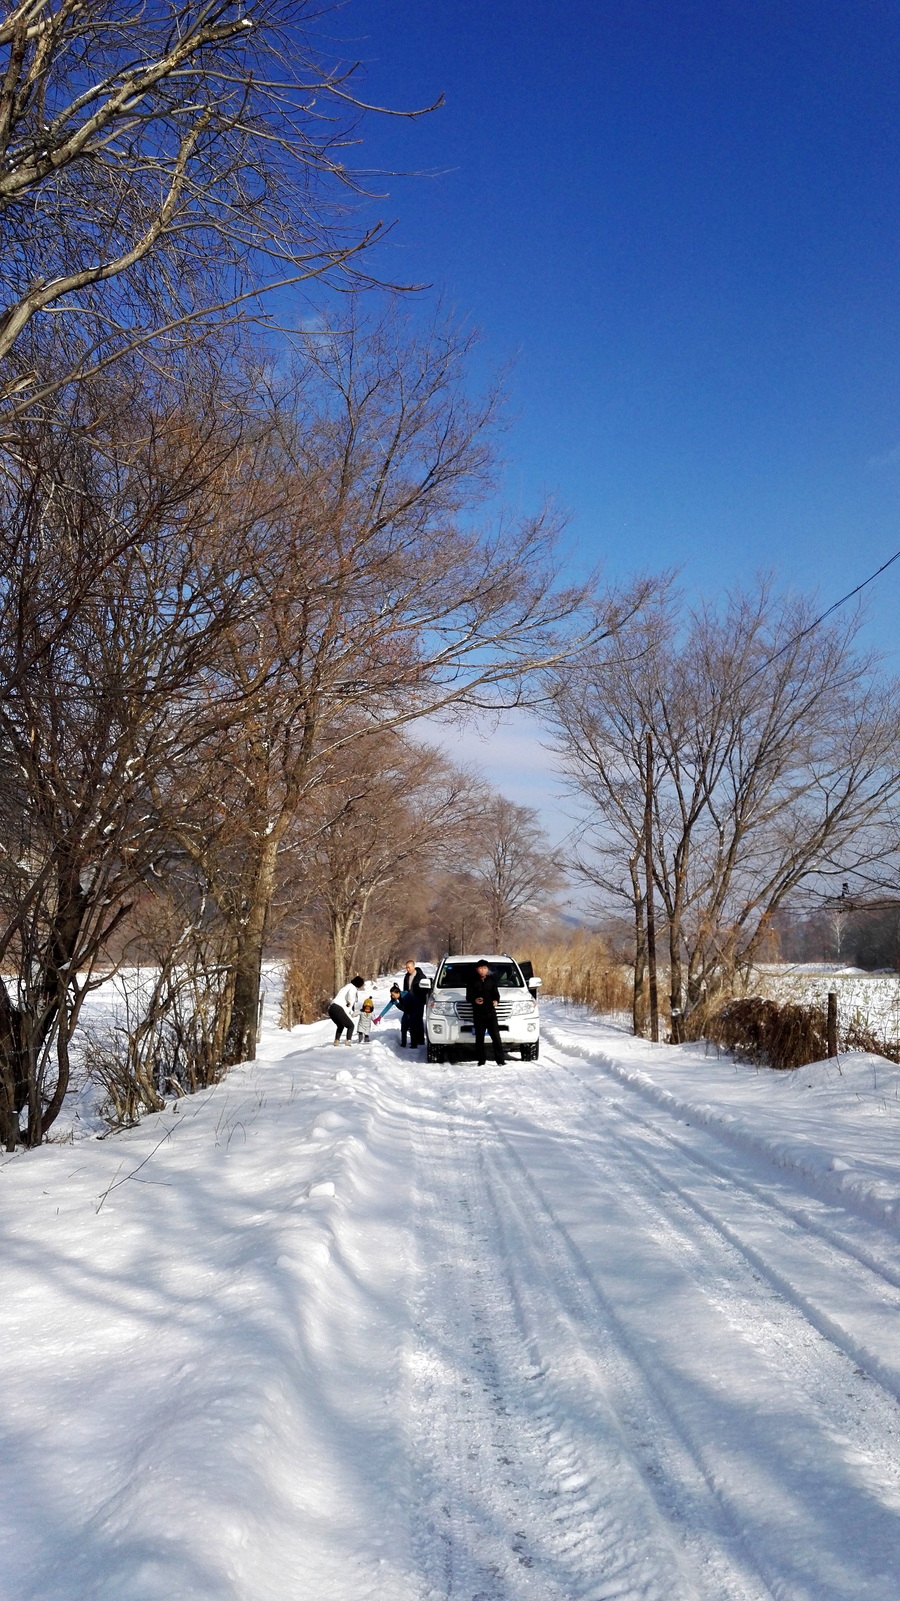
(344, 1009)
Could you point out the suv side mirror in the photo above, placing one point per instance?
(424, 983)
(535, 983)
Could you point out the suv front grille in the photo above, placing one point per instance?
(464, 1011)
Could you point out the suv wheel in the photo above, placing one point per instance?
(434, 1053)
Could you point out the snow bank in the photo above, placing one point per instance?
(189, 1318)
(350, 1327)
(835, 1122)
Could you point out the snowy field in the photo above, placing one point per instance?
(868, 1000)
(621, 1323)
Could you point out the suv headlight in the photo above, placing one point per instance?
(522, 1008)
(442, 1008)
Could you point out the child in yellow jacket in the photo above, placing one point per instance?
(364, 1020)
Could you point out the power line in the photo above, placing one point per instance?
(835, 605)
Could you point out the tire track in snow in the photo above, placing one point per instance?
(800, 1215)
(732, 1291)
(531, 1487)
(872, 1418)
(638, 1442)
(867, 1283)
(659, 1448)
(474, 1470)
(856, 1205)
(884, 1265)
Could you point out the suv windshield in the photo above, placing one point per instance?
(456, 975)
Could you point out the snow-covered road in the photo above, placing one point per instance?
(618, 1324)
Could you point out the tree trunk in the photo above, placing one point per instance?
(340, 935)
(696, 984)
(240, 1040)
(47, 1115)
(675, 909)
(13, 1091)
(676, 997)
(639, 995)
(649, 879)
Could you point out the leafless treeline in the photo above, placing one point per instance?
(229, 562)
(775, 756)
(414, 854)
(211, 604)
(236, 566)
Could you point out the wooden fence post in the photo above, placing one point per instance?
(831, 1024)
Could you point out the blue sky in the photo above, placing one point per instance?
(683, 221)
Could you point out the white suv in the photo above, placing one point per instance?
(448, 1015)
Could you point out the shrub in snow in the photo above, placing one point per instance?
(166, 1039)
(779, 1035)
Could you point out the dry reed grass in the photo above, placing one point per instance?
(308, 981)
(858, 1036)
(786, 1034)
(584, 972)
(774, 1034)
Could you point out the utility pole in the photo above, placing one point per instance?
(648, 867)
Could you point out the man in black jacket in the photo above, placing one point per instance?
(412, 1006)
(483, 994)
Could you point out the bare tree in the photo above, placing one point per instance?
(513, 868)
(775, 749)
(95, 714)
(161, 165)
(397, 812)
(198, 614)
(379, 599)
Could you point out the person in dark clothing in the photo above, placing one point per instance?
(402, 1003)
(483, 994)
(413, 1006)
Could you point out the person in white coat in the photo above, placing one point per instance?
(344, 1009)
